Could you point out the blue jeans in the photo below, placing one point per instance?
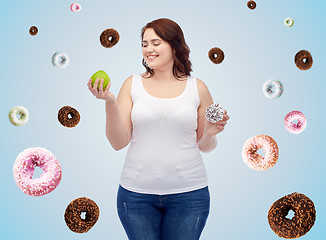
(180, 216)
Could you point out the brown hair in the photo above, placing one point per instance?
(171, 32)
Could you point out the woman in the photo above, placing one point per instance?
(163, 192)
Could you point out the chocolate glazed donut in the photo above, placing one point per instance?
(33, 30)
(73, 217)
(216, 55)
(251, 5)
(68, 116)
(300, 224)
(109, 38)
(303, 60)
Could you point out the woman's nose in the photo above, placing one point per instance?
(149, 49)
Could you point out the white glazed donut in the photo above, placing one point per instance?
(288, 22)
(60, 59)
(273, 88)
(292, 127)
(75, 7)
(214, 113)
(22, 112)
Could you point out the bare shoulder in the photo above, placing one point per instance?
(203, 92)
(128, 82)
(126, 86)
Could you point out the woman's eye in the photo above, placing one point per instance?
(155, 44)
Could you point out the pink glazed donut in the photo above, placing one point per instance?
(24, 169)
(255, 160)
(75, 7)
(292, 127)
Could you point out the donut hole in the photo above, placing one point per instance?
(70, 116)
(304, 60)
(295, 121)
(215, 55)
(19, 115)
(37, 172)
(83, 215)
(271, 89)
(62, 60)
(110, 38)
(290, 214)
(261, 152)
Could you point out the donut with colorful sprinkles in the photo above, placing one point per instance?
(295, 122)
(255, 160)
(18, 115)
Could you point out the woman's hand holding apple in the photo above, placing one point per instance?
(99, 93)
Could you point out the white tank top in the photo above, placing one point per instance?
(163, 156)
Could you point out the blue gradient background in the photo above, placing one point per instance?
(257, 47)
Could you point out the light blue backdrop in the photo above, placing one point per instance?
(257, 46)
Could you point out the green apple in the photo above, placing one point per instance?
(101, 75)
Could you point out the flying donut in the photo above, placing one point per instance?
(73, 217)
(302, 221)
(255, 160)
(24, 169)
(21, 112)
(109, 38)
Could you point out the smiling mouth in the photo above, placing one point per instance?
(152, 57)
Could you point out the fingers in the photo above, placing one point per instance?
(98, 91)
(222, 123)
(108, 87)
(101, 85)
(96, 84)
(226, 116)
(89, 83)
(93, 88)
(90, 87)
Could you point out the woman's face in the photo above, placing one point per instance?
(156, 52)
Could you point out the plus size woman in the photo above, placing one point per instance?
(163, 192)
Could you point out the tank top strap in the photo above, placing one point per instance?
(192, 90)
(136, 87)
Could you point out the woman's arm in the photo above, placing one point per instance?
(207, 143)
(115, 130)
(118, 121)
(206, 131)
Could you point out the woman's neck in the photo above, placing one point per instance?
(164, 76)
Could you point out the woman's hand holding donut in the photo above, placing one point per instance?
(212, 129)
(100, 93)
